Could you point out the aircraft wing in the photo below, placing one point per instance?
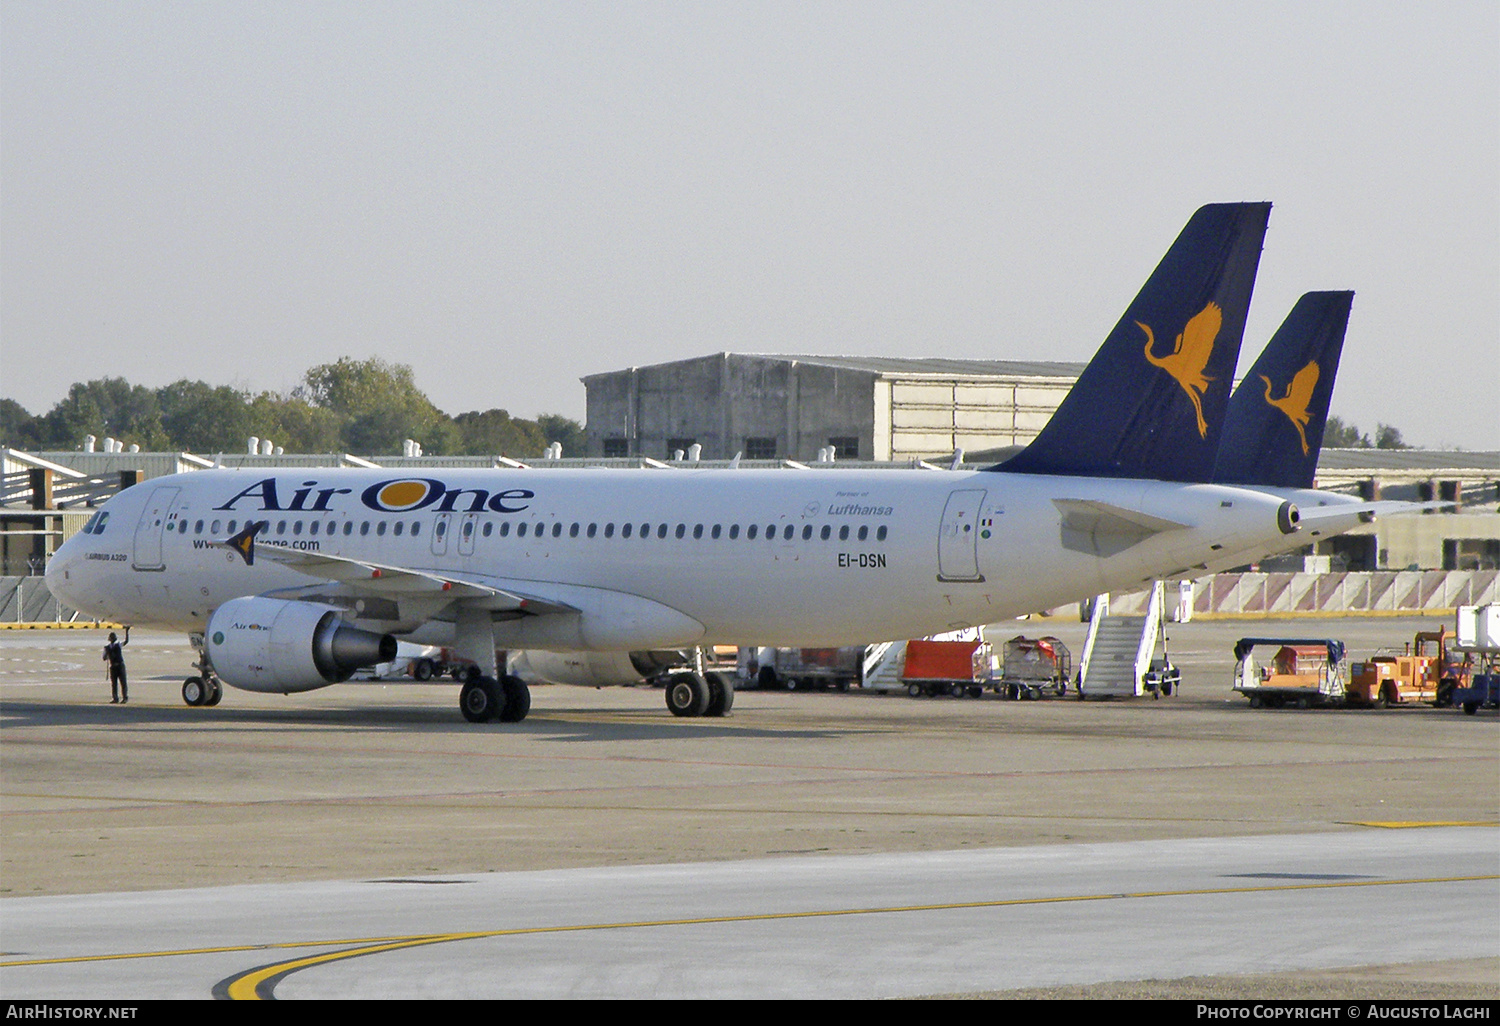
(380, 580)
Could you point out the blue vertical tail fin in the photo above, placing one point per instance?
(1147, 406)
(1274, 428)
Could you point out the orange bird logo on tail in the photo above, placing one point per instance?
(1194, 347)
(1298, 396)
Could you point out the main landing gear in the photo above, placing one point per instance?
(485, 698)
(699, 694)
(205, 689)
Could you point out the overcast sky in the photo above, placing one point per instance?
(510, 196)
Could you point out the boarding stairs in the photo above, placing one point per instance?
(884, 664)
(1119, 656)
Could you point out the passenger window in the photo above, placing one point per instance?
(844, 533)
(645, 530)
(864, 532)
(281, 527)
(751, 531)
(198, 527)
(312, 528)
(573, 531)
(488, 528)
(380, 528)
(416, 528)
(364, 528)
(715, 533)
(213, 528)
(230, 528)
(625, 530)
(697, 530)
(400, 526)
(771, 531)
(880, 533)
(505, 528)
(826, 532)
(557, 530)
(348, 528)
(521, 529)
(661, 531)
(609, 530)
(593, 529)
(734, 531)
(681, 531)
(468, 529)
(807, 532)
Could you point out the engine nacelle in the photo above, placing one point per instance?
(265, 644)
(596, 669)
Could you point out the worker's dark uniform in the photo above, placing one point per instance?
(116, 657)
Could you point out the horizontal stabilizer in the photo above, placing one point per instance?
(1103, 529)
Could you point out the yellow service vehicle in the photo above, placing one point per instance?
(1424, 673)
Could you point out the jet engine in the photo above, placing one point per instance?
(596, 669)
(266, 644)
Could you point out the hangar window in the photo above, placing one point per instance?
(617, 447)
(845, 447)
(760, 448)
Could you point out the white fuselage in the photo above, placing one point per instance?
(659, 558)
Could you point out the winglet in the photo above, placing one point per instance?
(1142, 409)
(244, 542)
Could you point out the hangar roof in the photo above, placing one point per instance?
(892, 365)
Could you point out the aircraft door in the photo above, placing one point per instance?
(156, 516)
(440, 534)
(958, 536)
(466, 532)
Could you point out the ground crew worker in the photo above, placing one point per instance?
(115, 657)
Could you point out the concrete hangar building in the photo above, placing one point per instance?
(793, 407)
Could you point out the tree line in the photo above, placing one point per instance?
(365, 407)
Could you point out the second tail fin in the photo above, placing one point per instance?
(1274, 428)
(1151, 403)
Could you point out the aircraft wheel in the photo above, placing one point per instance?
(422, 669)
(517, 699)
(914, 690)
(193, 691)
(215, 691)
(956, 690)
(720, 693)
(687, 694)
(480, 700)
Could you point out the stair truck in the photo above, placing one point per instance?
(1303, 673)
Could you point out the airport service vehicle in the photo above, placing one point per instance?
(1298, 672)
(1478, 639)
(804, 668)
(1034, 667)
(1425, 672)
(957, 668)
(297, 578)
